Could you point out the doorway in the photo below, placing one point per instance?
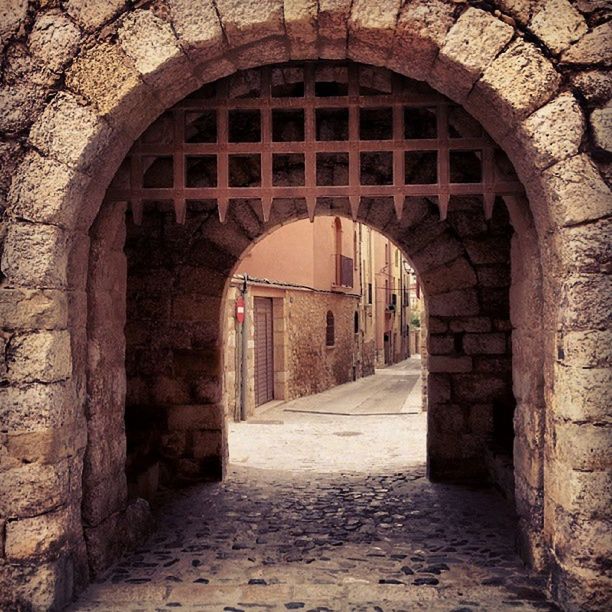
(264, 351)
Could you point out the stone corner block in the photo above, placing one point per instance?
(470, 46)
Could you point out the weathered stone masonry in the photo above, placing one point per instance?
(534, 74)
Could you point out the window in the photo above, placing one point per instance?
(329, 329)
(356, 322)
(369, 293)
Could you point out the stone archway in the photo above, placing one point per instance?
(115, 89)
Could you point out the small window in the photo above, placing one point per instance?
(329, 329)
(356, 322)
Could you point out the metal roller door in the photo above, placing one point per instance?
(264, 351)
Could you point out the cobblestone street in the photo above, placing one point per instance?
(327, 512)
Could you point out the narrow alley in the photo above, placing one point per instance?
(327, 507)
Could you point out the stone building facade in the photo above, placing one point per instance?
(82, 80)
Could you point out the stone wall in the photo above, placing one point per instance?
(174, 407)
(536, 74)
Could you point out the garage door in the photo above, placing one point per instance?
(264, 351)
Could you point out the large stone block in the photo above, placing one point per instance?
(39, 357)
(37, 586)
(152, 46)
(105, 76)
(576, 191)
(441, 250)
(332, 22)
(247, 22)
(470, 46)
(485, 344)
(478, 388)
(91, 14)
(372, 29)
(420, 32)
(197, 27)
(12, 14)
(70, 132)
(194, 416)
(601, 124)
(122, 531)
(300, 18)
(583, 446)
(47, 191)
(457, 274)
(449, 363)
(41, 536)
(551, 134)
(47, 445)
(557, 24)
(103, 498)
(583, 493)
(34, 488)
(587, 302)
(583, 394)
(35, 255)
(37, 406)
(53, 40)
(586, 349)
(595, 47)
(463, 302)
(517, 83)
(29, 309)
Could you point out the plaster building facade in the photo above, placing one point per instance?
(484, 153)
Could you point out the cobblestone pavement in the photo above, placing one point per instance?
(335, 535)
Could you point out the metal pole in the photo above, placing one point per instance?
(244, 369)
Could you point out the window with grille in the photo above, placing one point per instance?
(310, 132)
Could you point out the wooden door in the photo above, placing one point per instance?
(264, 351)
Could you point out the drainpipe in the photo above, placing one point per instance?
(244, 367)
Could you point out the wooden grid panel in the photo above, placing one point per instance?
(398, 146)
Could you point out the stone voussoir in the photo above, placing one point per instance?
(371, 30)
(420, 32)
(470, 46)
(300, 17)
(518, 82)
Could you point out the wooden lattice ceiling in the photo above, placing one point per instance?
(255, 120)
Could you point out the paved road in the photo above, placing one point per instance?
(326, 512)
(386, 392)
